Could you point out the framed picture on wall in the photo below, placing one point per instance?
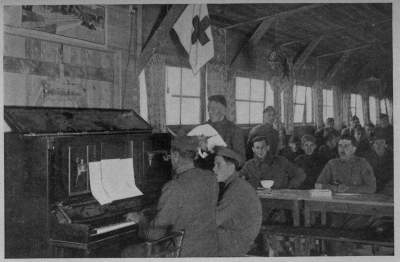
(83, 22)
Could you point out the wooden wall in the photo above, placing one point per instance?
(41, 69)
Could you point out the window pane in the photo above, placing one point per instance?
(359, 110)
(190, 111)
(269, 95)
(190, 83)
(324, 112)
(257, 90)
(383, 106)
(256, 113)
(309, 117)
(329, 112)
(298, 113)
(282, 109)
(353, 100)
(299, 94)
(172, 112)
(143, 96)
(372, 109)
(327, 97)
(173, 77)
(242, 112)
(242, 88)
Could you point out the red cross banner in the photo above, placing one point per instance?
(194, 31)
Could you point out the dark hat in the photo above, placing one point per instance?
(382, 115)
(355, 118)
(218, 98)
(269, 108)
(380, 134)
(229, 153)
(185, 143)
(260, 138)
(309, 138)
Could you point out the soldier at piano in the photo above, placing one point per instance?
(187, 203)
(229, 131)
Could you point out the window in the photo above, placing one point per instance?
(182, 96)
(302, 99)
(327, 102)
(252, 96)
(143, 96)
(356, 107)
(372, 109)
(384, 106)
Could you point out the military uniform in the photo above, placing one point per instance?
(239, 218)
(231, 134)
(277, 168)
(356, 173)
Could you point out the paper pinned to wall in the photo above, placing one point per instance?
(113, 179)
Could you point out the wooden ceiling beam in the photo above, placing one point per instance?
(336, 67)
(306, 53)
(345, 50)
(255, 38)
(277, 15)
(159, 36)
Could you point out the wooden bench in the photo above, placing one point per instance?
(309, 241)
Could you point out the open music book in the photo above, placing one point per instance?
(112, 179)
(213, 137)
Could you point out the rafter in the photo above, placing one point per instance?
(336, 67)
(306, 53)
(255, 38)
(159, 36)
(278, 15)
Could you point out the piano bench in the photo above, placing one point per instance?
(168, 246)
(311, 241)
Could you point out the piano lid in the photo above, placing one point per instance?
(26, 119)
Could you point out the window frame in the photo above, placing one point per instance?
(295, 103)
(266, 84)
(325, 105)
(181, 96)
(361, 116)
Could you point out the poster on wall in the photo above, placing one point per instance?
(84, 22)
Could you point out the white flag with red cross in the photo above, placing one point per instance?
(193, 28)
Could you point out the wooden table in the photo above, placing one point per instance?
(288, 199)
(360, 204)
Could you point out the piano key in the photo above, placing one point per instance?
(108, 228)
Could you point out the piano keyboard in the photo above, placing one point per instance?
(108, 228)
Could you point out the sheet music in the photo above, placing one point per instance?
(117, 180)
(214, 138)
(96, 184)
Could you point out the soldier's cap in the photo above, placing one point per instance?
(185, 143)
(379, 135)
(229, 153)
(308, 138)
(355, 118)
(260, 138)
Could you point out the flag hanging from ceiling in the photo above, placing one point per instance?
(194, 31)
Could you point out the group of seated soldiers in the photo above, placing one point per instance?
(212, 196)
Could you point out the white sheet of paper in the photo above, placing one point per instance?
(96, 185)
(118, 178)
(206, 130)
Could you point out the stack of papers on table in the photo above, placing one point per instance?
(112, 179)
(321, 193)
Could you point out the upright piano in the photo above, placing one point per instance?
(49, 208)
